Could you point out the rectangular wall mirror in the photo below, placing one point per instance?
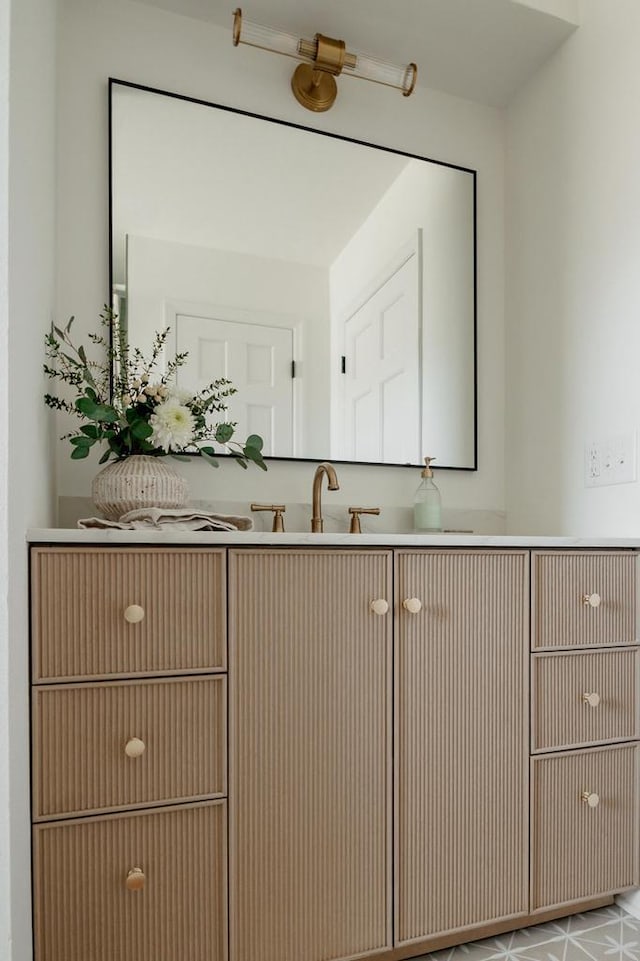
(333, 281)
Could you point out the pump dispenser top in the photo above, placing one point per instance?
(427, 472)
(427, 504)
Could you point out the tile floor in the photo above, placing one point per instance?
(607, 934)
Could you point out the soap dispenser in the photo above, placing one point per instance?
(427, 504)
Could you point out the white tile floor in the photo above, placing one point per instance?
(607, 934)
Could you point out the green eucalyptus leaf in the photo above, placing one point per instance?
(141, 429)
(90, 430)
(208, 454)
(254, 441)
(224, 433)
(105, 457)
(83, 441)
(98, 412)
(78, 453)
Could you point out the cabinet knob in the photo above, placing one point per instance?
(591, 600)
(133, 614)
(379, 606)
(592, 699)
(412, 604)
(591, 798)
(134, 747)
(135, 879)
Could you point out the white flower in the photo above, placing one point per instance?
(173, 425)
(178, 395)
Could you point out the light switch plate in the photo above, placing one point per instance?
(610, 460)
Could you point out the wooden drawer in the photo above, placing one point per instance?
(84, 911)
(579, 851)
(562, 715)
(82, 733)
(560, 615)
(79, 598)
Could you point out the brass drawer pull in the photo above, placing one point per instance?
(591, 600)
(412, 604)
(592, 699)
(135, 879)
(591, 798)
(134, 747)
(379, 606)
(133, 614)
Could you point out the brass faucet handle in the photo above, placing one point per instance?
(355, 517)
(278, 511)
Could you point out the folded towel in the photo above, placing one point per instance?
(176, 519)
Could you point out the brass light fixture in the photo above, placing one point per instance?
(313, 82)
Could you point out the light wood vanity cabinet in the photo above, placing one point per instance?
(461, 741)
(310, 750)
(373, 761)
(143, 878)
(584, 804)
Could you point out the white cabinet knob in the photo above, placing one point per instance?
(412, 604)
(133, 614)
(591, 600)
(379, 606)
(135, 879)
(592, 699)
(591, 798)
(134, 747)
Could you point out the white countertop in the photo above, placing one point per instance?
(295, 539)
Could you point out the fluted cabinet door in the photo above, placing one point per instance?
(310, 755)
(136, 886)
(461, 836)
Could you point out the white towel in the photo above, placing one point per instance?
(176, 519)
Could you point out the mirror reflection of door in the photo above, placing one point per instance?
(381, 371)
(256, 358)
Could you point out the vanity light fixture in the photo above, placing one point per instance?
(313, 82)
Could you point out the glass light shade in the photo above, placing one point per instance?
(381, 71)
(266, 38)
(355, 64)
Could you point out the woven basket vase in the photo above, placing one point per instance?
(135, 482)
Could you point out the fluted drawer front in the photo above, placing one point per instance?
(100, 612)
(310, 712)
(584, 698)
(583, 599)
(584, 824)
(127, 743)
(461, 740)
(84, 910)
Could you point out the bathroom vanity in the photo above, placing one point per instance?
(318, 748)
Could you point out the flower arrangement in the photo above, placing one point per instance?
(128, 404)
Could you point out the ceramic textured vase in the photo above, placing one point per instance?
(135, 482)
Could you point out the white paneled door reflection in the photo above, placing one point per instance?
(258, 361)
(382, 363)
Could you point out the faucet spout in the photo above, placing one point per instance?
(317, 523)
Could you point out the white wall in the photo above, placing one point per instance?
(27, 203)
(138, 43)
(573, 284)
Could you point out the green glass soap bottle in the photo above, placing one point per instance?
(427, 504)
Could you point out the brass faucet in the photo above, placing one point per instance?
(317, 524)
